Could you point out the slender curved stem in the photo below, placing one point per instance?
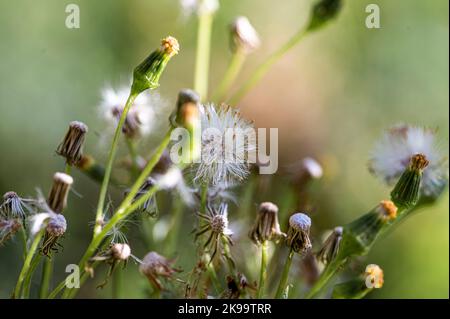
(134, 157)
(235, 66)
(284, 275)
(265, 66)
(27, 263)
(26, 286)
(203, 54)
(67, 169)
(263, 271)
(108, 168)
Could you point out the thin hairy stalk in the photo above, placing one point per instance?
(265, 66)
(109, 165)
(263, 270)
(285, 275)
(27, 263)
(57, 290)
(235, 66)
(202, 57)
(47, 271)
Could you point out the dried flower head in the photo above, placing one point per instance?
(244, 37)
(215, 227)
(140, 119)
(298, 233)
(13, 206)
(374, 276)
(8, 227)
(72, 145)
(57, 198)
(228, 146)
(146, 75)
(331, 245)
(154, 266)
(392, 156)
(55, 229)
(266, 225)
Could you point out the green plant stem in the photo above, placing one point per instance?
(265, 66)
(23, 237)
(26, 287)
(263, 270)
(235, 66)
(284, 275)
(203, 54)
(227, 253)
(117, 284)
(67, 169)
(109, 165)
(125, 209)
(134, 157)
(47, 271)
(27, 263)
(175, 226)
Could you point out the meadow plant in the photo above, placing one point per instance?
(199, 171)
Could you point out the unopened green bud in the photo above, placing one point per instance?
(146, 75)
(323, 11)
(406, 192)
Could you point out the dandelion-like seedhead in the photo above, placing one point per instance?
(141, 117)
(298, 233)
(228, 146)
(244, 37)
(392, 155)
(266, 225)
(214, 226)
(154, 266)
(8, 227)
(71, 148)
(13, 206)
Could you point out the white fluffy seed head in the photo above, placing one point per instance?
(393, 152)
(63, 178)
(300, 222)
(228, 141)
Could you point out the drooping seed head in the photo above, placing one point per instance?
(154, 266)
(57, 198)
(298, 233)
(266, 225)
(71, 147)
(13, 206)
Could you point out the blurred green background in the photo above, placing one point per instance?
(330, 97)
